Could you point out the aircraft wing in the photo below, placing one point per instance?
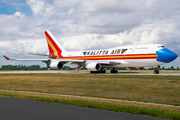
(83, 62)
(109, 63)
(46, 60)
(77, 63)
(68, 61)
(113, 62)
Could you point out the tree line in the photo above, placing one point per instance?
(22, 67)
(31, 67)
(163, 68)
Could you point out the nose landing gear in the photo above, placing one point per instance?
(156, 71)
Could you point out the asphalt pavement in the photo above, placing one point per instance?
(18, 109)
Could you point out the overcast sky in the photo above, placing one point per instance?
(86, 24)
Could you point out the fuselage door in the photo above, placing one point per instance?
(134, 48)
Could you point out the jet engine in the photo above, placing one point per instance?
(56, 65)
(93, 66)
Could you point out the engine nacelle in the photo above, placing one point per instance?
(93, 66)
(56, 65)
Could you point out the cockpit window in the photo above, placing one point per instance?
(161, 47)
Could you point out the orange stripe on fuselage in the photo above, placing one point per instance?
(113, 57)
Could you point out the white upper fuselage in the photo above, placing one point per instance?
(127, 56)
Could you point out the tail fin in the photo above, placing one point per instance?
(54, 47)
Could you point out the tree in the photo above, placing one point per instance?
(172, 68)
(163, 68)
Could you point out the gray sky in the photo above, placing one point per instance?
(86, 24)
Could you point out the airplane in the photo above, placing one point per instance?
(131, 56)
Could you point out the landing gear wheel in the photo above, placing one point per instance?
(114, 71)
(156, 71)
(94, 72)
(103, 71)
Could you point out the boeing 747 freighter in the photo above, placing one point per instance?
(131, 56)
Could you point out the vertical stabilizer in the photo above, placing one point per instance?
(54, 46)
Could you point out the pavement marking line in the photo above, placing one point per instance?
(93, 98)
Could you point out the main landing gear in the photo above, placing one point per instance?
(156, 71)
(114, 71)
(104, 71)
(100, 71)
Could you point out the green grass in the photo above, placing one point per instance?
(154, 89)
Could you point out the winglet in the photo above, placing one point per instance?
(6, 57)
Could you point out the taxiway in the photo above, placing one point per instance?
(18, 109)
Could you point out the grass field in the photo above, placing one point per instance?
(153, 89)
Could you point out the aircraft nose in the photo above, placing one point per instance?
(165, 55)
